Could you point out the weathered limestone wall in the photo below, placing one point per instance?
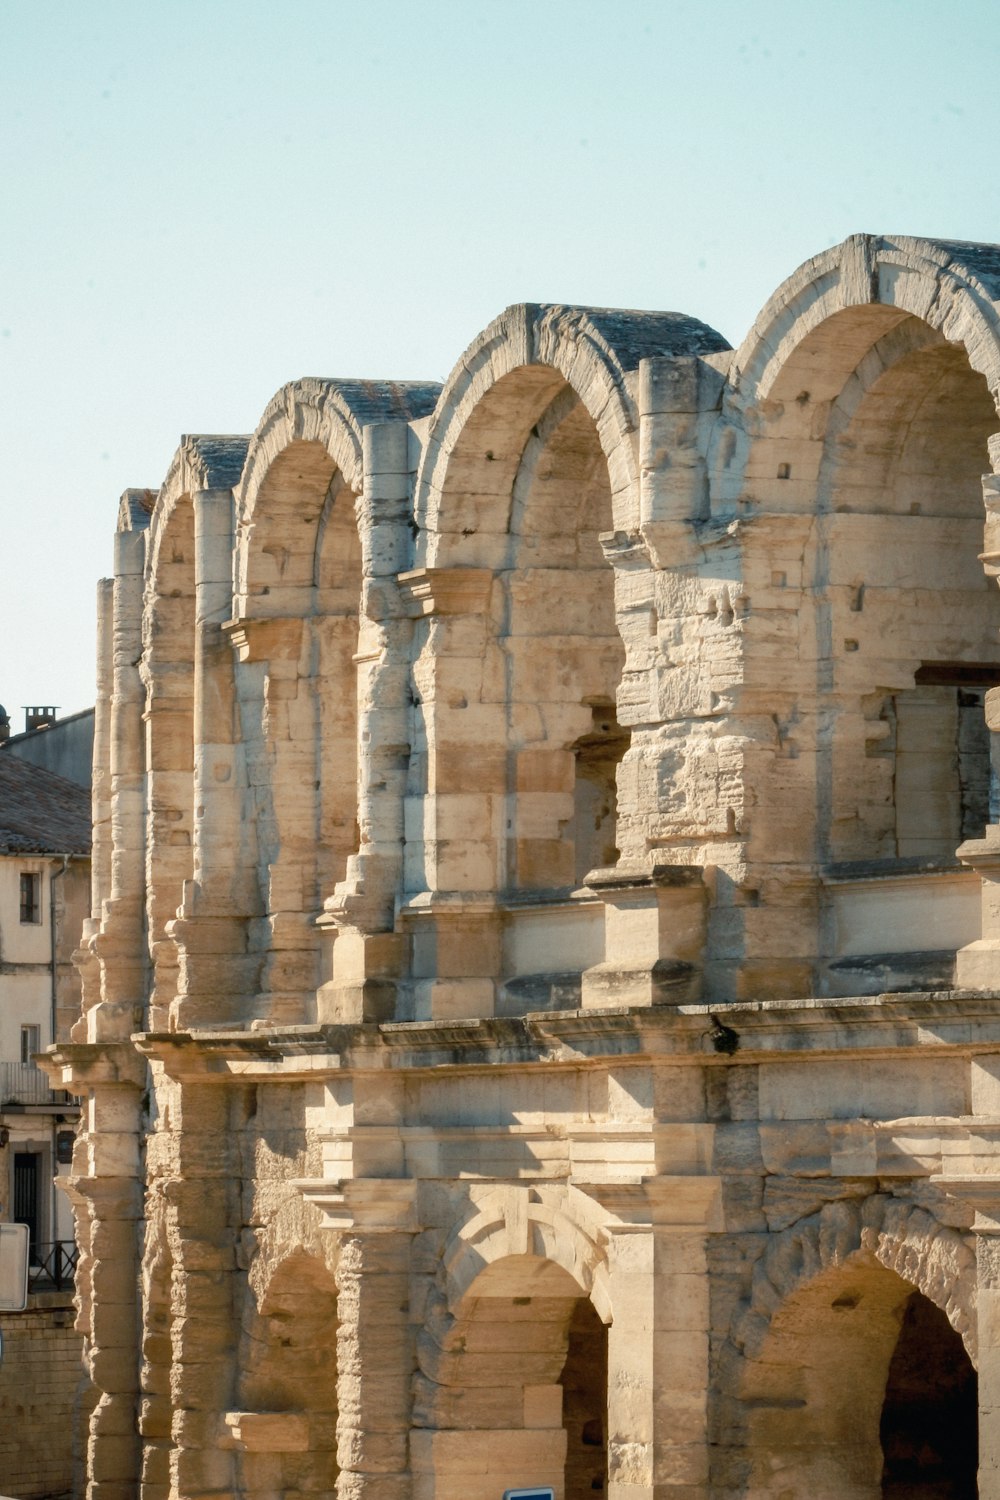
(44, 1394)
(541, 824)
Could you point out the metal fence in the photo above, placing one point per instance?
(52, 1266)
(23, 1083)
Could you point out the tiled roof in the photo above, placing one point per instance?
(41, 813)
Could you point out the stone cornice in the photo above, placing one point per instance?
(79, 1066)
(887, 1025)
(445, 591)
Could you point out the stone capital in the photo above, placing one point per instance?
(445, 591)
(369, 1205)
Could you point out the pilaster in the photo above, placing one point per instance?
(654, 936)
(658, 1341)
(217, 973)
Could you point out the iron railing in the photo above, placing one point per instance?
(23, 1083)
(52, 1266)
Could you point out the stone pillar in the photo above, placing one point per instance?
(203, 1217)
(658, 1341)
(980, 1191)
(106, 1195)
(217, 973)
(287, 744)
(977, 965)
(983, 1193)
(85, 958)
(375, 1340)
(455, 809)
(120, 943)
(359, 917)
(654, 936)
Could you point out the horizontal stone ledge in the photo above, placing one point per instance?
(266, 1431)
(883, 1025)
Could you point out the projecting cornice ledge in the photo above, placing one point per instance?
(966, 1021)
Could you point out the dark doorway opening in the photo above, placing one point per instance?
(585, 1385)
(27, 1195)
(930, 1421)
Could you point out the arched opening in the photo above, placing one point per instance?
(929, 1429)
(564, 655)
(287, 1426)
(516, 697)
(512, 1391)
(913, 617)
(873, 629)
(168, 672)
(300, 635)
(863, 1390)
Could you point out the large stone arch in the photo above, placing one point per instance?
(512, 1354)
(952, 286)
(853, 1363)
(509, 1221)
(858, 421)
(529, 472)
(595, 351)
(167, 671)
(303, 543)
(900, 1236)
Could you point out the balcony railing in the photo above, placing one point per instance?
(52, 1266)
(23, 1083)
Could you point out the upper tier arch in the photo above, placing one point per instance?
(594, 351)
(952, 286)
(325, 420)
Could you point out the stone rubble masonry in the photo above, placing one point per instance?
(540, 997)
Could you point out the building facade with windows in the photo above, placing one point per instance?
(44, 895)
(541, 999)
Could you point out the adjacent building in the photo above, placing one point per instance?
(541, 997)
(44, 895)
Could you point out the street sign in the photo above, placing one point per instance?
(536, 1493)
(13, 1267)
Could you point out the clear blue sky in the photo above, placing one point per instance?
(203, 199)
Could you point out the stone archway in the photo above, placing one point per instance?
(300, 631)
(285, 1431)
(511, 1389)
(854, 1313)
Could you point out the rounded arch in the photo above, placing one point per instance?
(953, 287)
(167, 670)
(299, 629)
(307, 445)
(512, 1355)
(856, 1374)
(509, 1224)
(522, 360)
(288, 1365)
(899, 1236)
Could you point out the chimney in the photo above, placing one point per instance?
(39, 718)
(4, 724)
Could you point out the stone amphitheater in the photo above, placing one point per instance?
(541, 1003)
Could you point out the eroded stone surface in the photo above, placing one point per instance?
(521, 1034)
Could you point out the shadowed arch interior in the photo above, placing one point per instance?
(519, 702)
(299, 707)
(512, 1390)
(855, 1365)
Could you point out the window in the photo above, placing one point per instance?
(31, 897)
(31, 1042)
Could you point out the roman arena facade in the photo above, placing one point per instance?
(541, 1003)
